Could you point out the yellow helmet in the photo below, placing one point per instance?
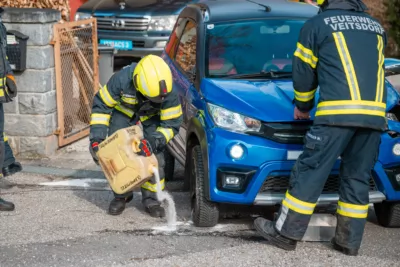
(320, 2)
(152, 78)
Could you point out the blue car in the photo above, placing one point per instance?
(387, 170)
(232, 63)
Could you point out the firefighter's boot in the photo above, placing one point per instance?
(155, 211)
(150, 203)
(6, 206)
(12, 169)
(344, 250)
(267, 230)
(117, 205)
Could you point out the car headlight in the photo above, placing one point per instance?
(82, 16)
(233, 121)
(396, 149)
(391, 116)
(162, 23)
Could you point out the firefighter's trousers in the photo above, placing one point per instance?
(2, 145)
(8, 153)
(358, 149)
(118, 121)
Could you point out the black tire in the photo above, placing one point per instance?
(187, 172)
(388, 214)
(204, 212)
(169, 168)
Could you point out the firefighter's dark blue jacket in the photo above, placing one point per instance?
(5, 67)
(341, 50)
(120, 95)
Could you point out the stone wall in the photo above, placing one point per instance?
(31, 120)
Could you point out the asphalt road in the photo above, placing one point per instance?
(66, 224)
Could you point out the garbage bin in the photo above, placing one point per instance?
(106, 63)
(16, 50)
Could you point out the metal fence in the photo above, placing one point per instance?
(77, 77)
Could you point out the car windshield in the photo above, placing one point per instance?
(242, 48)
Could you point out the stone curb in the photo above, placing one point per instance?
(63, 172)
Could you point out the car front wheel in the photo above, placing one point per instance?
(204, 212)
(388, 214)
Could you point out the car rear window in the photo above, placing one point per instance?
(244, 47)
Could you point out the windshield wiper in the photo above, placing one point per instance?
(264, 74)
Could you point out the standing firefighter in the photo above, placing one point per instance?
(341, 50)
(8, 90)
(139, 92)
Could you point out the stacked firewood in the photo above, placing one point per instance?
(60, 5)
(378, 9)
(188, 60)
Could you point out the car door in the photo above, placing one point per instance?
(185, 60)
(181, 53)
(170, 50)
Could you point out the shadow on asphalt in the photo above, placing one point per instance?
(102, 199)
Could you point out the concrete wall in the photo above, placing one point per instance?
(31, 120)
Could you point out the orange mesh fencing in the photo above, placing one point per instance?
(77, 77)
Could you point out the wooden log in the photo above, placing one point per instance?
(82, 88)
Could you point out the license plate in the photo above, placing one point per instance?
(117, 44)
(293, 155)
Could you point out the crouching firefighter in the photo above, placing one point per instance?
(139, 92)
(341, 50)
(8, 91)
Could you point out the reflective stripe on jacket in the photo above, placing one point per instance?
(342, 52)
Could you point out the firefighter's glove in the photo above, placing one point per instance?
(93, 148)
(145, 148)
(11, 85)
(153, 143)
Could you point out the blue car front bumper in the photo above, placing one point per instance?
(263, 160)
(388, 166)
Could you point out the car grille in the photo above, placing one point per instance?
(138, 43)
(285, 133)
(123, 24)
(279, 184)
